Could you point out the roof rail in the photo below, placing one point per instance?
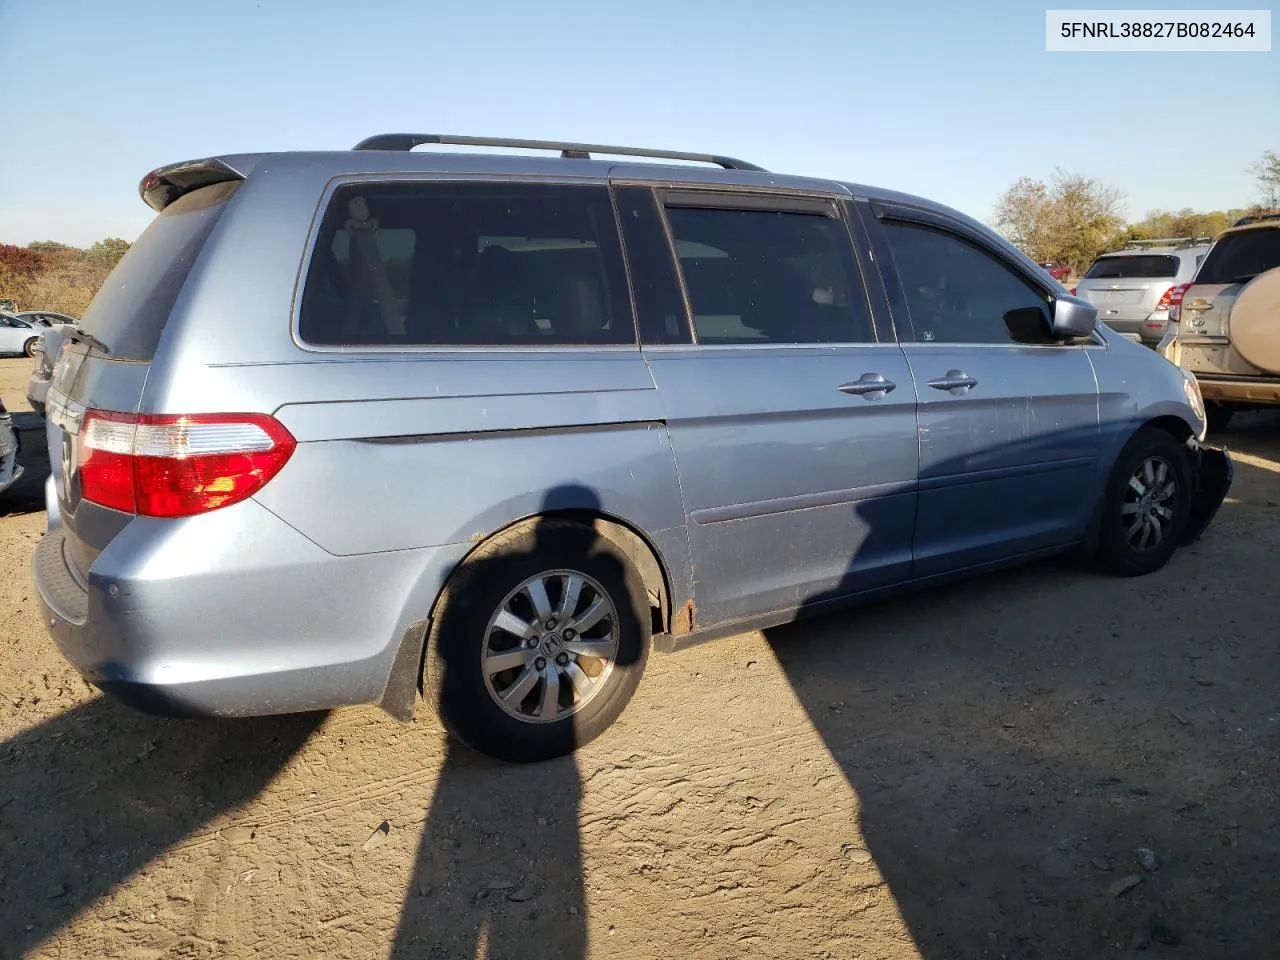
(1167, 242)
(569, 151)
(1255, 218)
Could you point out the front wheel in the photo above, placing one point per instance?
(538, 643)
(29, 348)
(1146, 504)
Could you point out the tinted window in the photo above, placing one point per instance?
(1133, 267)
(129, 312)
(757, 276)
(655, 285)
(959, 294)
(1239, 257)
(421, 264)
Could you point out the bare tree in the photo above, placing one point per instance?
(1071, 219)
(1267, 172)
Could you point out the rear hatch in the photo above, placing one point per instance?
(104, 362)
(1126, 288)
(1234, 260)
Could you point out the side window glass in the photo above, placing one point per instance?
(655, 285)
(467, 264)
(757, 276)
(958, 293)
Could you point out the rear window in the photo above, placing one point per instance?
(479, 264)
(1141, 266)
(129, 313)
(1239, 257)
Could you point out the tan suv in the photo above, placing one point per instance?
(1226, 327)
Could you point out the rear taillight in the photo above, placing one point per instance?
(1072, 291)
(1172, 301)
(178, 466)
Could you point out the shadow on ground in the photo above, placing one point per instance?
(1012, 749)
(90, 797)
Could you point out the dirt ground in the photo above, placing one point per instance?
(963, 773)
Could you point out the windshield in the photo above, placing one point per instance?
(1131, 267)
(1239, 257)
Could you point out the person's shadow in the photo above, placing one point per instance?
(498, 871)
(91, 796)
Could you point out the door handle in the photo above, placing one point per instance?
(873, 386)
(956, 382)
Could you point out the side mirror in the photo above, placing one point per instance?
(1073, 317)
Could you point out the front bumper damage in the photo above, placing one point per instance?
(1213, 471)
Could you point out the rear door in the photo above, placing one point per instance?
(1008, 419)
(790, 411)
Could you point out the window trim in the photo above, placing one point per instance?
(425, 351)
(829, 206)
(882, 211)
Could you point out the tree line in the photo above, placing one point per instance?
(1074, 217)
(47, 275)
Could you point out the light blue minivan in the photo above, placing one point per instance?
(345, 426)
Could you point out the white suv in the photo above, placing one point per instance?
(1135, 288)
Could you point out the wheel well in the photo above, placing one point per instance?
(641, 553)
(1174, 426)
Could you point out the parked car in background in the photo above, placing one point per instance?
(1134, 288)
(45, 318)
(44, 357)
(1226, 330)
(564, 384)
(10, 444)
(18, 335)
(1058, 270)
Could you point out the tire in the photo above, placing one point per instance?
(1218, 415)
(466, 695)
(29, 348)
(1121, 550)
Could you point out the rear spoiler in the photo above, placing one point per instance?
(164, 185)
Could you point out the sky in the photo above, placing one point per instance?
(952, 101)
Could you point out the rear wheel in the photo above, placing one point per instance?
(538, 643)
(1218, 415)
(1146, 505)
(29, 348)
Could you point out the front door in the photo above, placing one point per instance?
(792, 422)
(1008, 418)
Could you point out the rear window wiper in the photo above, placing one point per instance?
(78, 335)
(1242, 278)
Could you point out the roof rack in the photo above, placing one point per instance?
(1167, 242)
(1255, 218)
(569, 151)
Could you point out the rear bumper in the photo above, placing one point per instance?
(1214, 473)
(1260, 390)
(256, 620)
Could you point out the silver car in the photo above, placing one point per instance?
(1135, 288)
(44, 355)
(19, 335)
(345, 426)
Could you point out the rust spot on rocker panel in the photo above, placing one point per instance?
(682, 622)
